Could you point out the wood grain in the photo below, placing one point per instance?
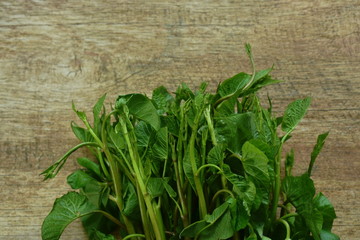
(53, 52)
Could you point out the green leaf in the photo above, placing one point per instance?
(188, 169)
(235, 130)
(96, 193)
(144, 134)
(294, 112)
(317, 148)
(217, 213)
(98, 106)
(98, 222)
(89, 165)
(193, 229)
(299, 190)
(269, 150)
(116, 138)
(244, 188)
(255, 165)
(215, 226)
(153, 144)
(326, 235)
(314, 221)
(325, 207)
(216, 155)
(260, 220)
(103, 196)
(162, 99)
(226, 107)
(81, 133)
(79, 179)
(131, 203)
(97, 235)
(173, 125)
(97, 110)
(252, 236)
(183, 92)
(221, 229)
(263, 73)
(169, 189)
(234, 84)
(80, 114)
(260, 82)
(141, 107)
(239, 216)
(65, 210)
(155, 187)
(160, 147)
(240, 85)
(267, 126)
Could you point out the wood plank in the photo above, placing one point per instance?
(53, 52)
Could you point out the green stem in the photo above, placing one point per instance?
(179, 146)
(102, 164)
(110, 217)
(115, 175)
(183, 211)
(221, 192)
(207, 166)
(155, 217)
(144, 217)
(277, 185)
(126, 171)
(287, 226)
(210, 126)
(189, 199)
(128, 165)
(289, 215)
(101, 144)
(54, 169)
(135, 235)
(214, 140)
(93, 134)
(198, 185)
(248, 51)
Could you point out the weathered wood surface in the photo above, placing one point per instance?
(53, 52)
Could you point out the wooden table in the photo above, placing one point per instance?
(53, 52)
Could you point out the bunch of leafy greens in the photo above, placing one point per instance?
(193, 165)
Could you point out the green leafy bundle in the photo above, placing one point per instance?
(192, 165)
